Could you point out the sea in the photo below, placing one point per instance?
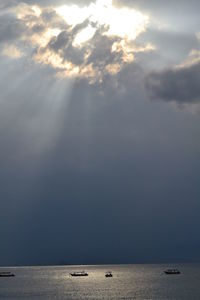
(128, 282)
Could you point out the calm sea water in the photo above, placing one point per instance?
(128, 282)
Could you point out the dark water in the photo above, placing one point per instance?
(128, 282)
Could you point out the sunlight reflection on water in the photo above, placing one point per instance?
(128, 282)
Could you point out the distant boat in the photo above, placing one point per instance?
(109, 274)
(6, 274)
(82, 273)
(172, 272)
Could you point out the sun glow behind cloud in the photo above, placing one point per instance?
(89, 41)
(122, 22)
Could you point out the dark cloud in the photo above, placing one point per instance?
(11, 28)
(179, 84)
(101, 50)
(63, 44)
(50, 18)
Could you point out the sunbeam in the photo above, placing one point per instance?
(40, 124)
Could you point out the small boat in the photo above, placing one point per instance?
(109, 274)
(6, 274)
(82, 273)
(172, 272)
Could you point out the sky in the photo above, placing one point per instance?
(99, 131)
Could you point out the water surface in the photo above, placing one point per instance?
(128, 282)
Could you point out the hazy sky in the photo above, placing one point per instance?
(99, 131)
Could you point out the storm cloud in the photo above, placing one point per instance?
(181, 85)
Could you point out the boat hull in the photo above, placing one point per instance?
(79, 274)
(172, 273)
(7, 274)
